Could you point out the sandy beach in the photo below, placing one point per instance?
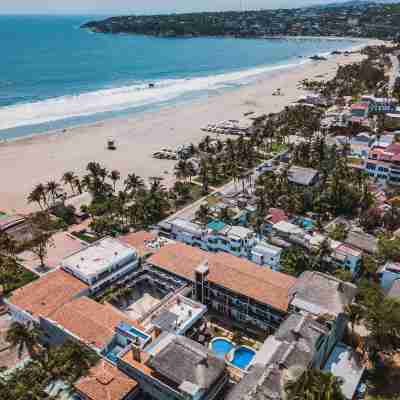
(27, 162)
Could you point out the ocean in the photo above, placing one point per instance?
(54, 75)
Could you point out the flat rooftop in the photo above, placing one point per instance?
(234, 273)
(320, 293)
(98, 257)
(143, 242)
(180, 313)
(264, 246)
(344, 364)
(188, 226)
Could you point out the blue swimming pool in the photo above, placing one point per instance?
(216, 225)
(306, 223)
(242, 357)
(221, 347)
(113, 352)
(132, 331)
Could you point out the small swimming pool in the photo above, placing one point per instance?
(221, 347)
(306, 223)
(242, 357)
(113, 352)
(131, 331)
(216, 225)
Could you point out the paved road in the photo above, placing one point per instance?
(188, 213)
(394, 73)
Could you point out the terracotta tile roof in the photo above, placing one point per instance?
(128, 358)
(137, 240)
(276, 215)
(360, 106)
(92, 322)
(47, 294)
(105, 382)
(234, 273)
(394, 148)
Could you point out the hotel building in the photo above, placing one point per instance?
(384, 163)
(233, 286)
(219, 237)
(102, 263)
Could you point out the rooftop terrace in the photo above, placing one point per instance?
(98, 257)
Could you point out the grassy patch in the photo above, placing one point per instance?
(195, 193)
(85, 237)
(21, 277)
(213, 200)
(220, 181)
(278, 147)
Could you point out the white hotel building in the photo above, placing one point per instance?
(219, 237)
(102, 263)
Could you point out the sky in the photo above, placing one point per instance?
(141, 6)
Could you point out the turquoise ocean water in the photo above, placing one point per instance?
(54, 74)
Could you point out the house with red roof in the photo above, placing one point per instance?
(359, 110)
(384, 163)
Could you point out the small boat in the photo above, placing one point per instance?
(152, 85)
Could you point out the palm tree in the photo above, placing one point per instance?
(76, 360)
(39, 196)
(69, 178)
(115, 176)
(204, 175)
(182, 169)
(77, 184)
(94, 169)
(234, 171)
(86, 182)
(8, 244)
(133, 184)
(203, 214)
(355, 313)
(319, 260)
(23, 337)
(314, 385)
(53, 188)
(41, 235)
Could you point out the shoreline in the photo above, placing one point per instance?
(25, 162)
(32, 126)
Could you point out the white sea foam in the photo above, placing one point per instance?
(122, 98)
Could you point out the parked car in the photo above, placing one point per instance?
(265, 167)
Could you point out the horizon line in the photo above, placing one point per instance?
(122, 13)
